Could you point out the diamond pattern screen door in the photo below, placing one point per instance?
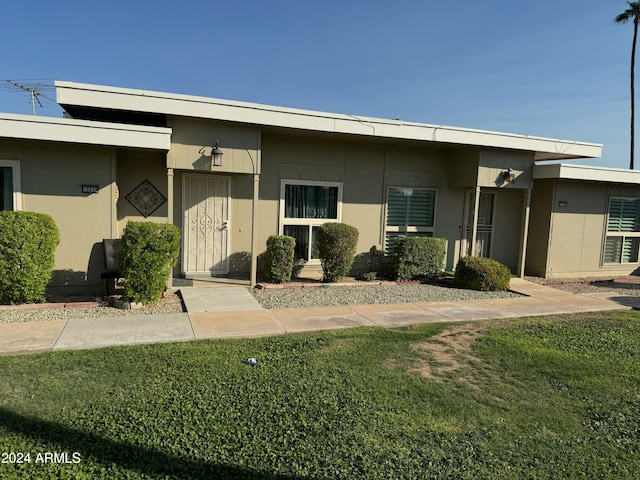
(206, 224)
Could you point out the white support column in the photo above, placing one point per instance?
(115, 194)
(170, 210)
(169, 195)
(525, 231)
(254, 229)
(474, 226)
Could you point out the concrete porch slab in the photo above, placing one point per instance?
(218, 299)
(234, 324)
(103, 332)
(29, 336)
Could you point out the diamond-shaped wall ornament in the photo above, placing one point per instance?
(146, 198)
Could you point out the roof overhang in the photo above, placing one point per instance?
(67, 130)
(71, 94)
(561, 171)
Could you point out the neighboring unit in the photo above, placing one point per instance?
(586, 222)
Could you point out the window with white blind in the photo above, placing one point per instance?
(304, 206)
(410, 212)
(9, 185)
(623, 231)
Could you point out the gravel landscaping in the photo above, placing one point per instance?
(171, 303)
(328, 296)
(629, 285)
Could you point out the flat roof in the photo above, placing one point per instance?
(563, 171)
(83, 131)
(115, 98)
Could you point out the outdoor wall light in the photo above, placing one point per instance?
(216, 156)
(562, 204)
(508, 175)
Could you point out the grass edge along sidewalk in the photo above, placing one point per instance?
(544, 397)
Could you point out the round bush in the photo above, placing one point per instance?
(279, 258)
(418, 257)
(149, 252)
(478, 273)
(337, 244)
(27, 244)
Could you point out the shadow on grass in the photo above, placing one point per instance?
(627, 301)
(104, 452)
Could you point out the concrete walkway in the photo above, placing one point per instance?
(231, 312)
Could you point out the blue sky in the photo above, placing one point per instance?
(555, 68)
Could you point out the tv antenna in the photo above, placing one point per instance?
(34, 89)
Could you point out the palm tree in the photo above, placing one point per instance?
(631, 13)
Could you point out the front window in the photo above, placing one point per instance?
(9, 185)
(410, 212)
(623, 231)
(304, 207)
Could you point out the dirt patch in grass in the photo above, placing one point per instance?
(448, 352)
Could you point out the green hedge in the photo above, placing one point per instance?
(279, 258)
(482, 274)
(149, 252)
(337, 244)
(418, 257)
(27, 244)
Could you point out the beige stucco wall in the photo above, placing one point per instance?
(463, 167)
(576, 231)
(493, 162)
(192, 140)
(539, 226)
(52, 175)
(507, 229)
(133, 167)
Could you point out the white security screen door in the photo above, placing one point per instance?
(206, 224)
(484, 230)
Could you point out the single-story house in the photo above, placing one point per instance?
(231, 173)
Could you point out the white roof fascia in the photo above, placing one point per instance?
(71, 93)
(82, 131)
(561, 171)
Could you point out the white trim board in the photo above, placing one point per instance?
(98, 96)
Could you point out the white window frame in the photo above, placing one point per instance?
(407, 229)
(17, 191)
(310, 222)
(622, 235)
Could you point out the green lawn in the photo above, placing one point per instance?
(554, 397)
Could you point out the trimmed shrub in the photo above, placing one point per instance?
(27, 244)
(376, 261)
(368, 277)
(418, 257)
(149, 252)
(337, 244)
(279, 258)
(482, 274)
